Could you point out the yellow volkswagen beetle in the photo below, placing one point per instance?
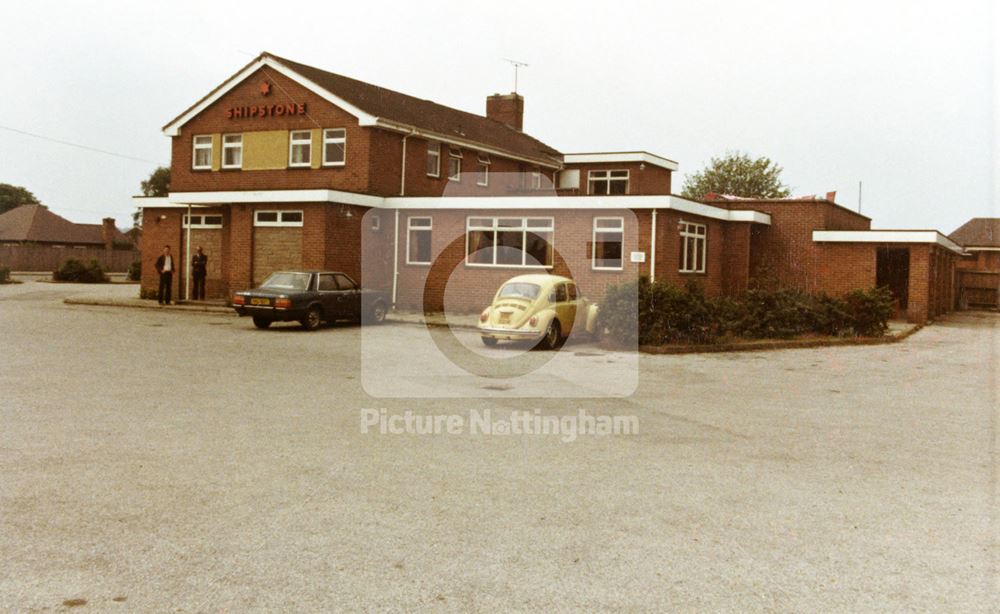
(542, 308)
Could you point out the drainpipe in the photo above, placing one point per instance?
(187, 258)
(395, 227)
(652, 250)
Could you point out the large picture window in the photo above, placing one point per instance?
(232, 151)
(418, 240)
(202, 155)
(300, 148)
(334, 146)
(694, 247)
(607, 182)
(509, 241)
(608, 243)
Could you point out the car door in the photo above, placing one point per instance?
(350, 301)
(579, 306)
(329, 294)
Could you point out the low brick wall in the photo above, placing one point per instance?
(38, 258)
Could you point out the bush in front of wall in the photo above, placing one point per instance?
(135, 271)
(76, 271)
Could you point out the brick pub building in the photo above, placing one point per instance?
(285, 166)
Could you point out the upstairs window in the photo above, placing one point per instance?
(693, 247)
(334, 147)
(202, 156)
(433, 159)
(300, 148)
(232, 151)
(607, 182)
(454, 164)
(483, 170)
(608, 242)
(536, 179)
(418, 240)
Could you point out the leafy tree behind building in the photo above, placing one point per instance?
(13, 196)
(737, 174)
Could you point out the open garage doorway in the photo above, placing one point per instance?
(892, 270)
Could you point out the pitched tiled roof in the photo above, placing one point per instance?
(35, 223)
(978, 232)
(425, 115)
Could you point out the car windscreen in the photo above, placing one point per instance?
(287, 281)
(520, 289)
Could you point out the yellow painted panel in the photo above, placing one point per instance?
(317, 148)
(266, 150)
(216, 151)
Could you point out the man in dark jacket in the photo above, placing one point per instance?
(199, 265)
(165, 267)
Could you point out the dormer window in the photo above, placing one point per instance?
(607, 182)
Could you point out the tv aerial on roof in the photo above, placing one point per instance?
(516, 64)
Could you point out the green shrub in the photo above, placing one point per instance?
(4, 275)
(148, 293)
(660, 313)
(870, 311)
(77, 271)
(135, 271)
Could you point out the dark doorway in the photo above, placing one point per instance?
(892, 269)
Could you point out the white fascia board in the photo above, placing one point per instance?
(174, 128)
(571, 203)
(886, 236)
(277, 196)
(982, 249)
(465, 143)
(620, 156)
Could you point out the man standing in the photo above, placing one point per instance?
(199, 264)
(165, 267)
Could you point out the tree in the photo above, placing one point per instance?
(739, 175)
(13, 196)
(158, 183)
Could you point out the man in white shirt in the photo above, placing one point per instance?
(165, 267)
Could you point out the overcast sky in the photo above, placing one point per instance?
(897, 94)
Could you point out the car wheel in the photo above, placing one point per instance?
(553, 335)
(314, 317)
(260, 322)
(489, 341)
(377, 313)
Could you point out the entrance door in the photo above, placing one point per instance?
(892, 270)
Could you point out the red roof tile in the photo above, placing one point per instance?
(978, 232)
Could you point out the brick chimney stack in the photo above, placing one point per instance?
(108, 232)
(506, 108)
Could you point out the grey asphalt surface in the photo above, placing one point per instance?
(174, 462)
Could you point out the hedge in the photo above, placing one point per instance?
(660, 313)
(75, 270)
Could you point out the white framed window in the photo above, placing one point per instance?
(210, 220)
(334, 147)
(483, 169)
(201, 156)
(454, 164)
(300, 148)
(694, 247)
(433, 159)
(524, 242)
(536, 178)
(608, 244)
(418, 240)
(232, 151)
(607, 182)
(277, 218)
